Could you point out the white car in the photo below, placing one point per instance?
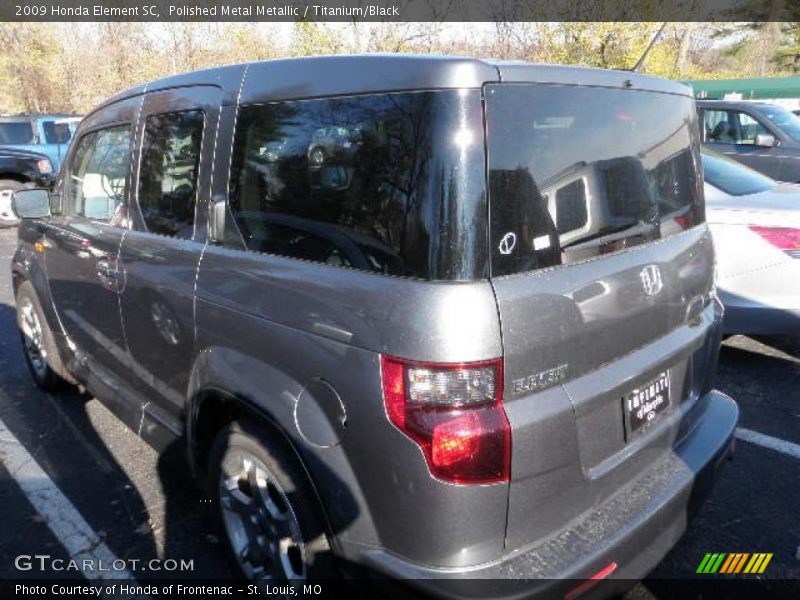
(755, 222)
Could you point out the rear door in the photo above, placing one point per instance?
(601, 267)
(161, 252)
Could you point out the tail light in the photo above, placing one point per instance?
(783, 238)
(454, 413)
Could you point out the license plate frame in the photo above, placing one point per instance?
(643, 405)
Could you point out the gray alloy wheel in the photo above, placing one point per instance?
(262, 528)
(33, 338)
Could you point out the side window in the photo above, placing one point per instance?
(168, 176)
(750, 128)
(732, 127)
(96, 185)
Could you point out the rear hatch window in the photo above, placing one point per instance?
(16, 132)
(576, 172)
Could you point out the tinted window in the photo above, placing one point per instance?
(97, 186)
(20, 132)
(732, 177)
(168, 177)
(56, 132)
(620, 165)
(389, 183)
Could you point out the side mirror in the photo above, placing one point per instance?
(31, 204)
(765, 139)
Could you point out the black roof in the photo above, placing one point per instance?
(318, 76)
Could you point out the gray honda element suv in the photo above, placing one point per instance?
(475, 337)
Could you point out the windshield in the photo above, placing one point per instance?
(16, 132)
(732, 177)
(56, 132)
(784, 120)
(575, 172)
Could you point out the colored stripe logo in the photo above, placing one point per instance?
(734, 563)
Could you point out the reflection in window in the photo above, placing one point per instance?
(168, 179)
(375, 183)
(56, 132)
(96, 186)
(573, 183)
(16, 132)
(733, 177)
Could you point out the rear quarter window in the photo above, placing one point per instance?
(388, 183)
(576, 172)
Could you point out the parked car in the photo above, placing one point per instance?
(334, 144)
(755, 221)
(20, 169)
(764, 137)
(470, 401)
(47, 134)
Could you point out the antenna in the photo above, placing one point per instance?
(640, 62)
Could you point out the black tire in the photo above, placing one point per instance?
(41, 353)
(10, 185)
(283, 482)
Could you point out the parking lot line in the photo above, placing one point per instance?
(768, 441)
(75, 534)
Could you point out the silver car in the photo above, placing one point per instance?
(755, 222)
(413, 364)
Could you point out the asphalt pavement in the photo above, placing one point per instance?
(104, 483)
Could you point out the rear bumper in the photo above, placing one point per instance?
(633, 529)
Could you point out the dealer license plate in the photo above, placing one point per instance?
(643, 405)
